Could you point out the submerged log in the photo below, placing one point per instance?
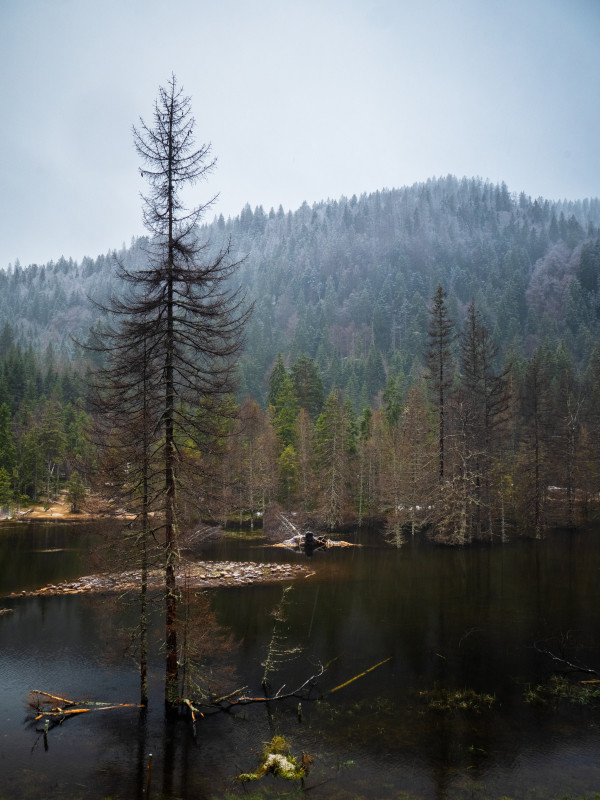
(360, 675)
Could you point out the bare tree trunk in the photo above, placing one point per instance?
(171, 678)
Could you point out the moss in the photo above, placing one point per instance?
(278, 745)
(278, 760)
(457, 700)
(561, 688)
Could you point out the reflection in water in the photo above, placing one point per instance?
(448, 620)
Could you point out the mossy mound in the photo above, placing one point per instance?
(447, 700)
(278, 760)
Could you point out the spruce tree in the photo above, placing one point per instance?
(276, 378)
(440, 363)
(484, 403)
(183, 317)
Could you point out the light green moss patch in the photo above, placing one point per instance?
(278, 760)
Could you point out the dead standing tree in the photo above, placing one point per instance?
(125, 400)
(181, 311)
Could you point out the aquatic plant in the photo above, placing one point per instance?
(440, 699)
(561, 688)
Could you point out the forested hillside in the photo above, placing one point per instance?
(348, 282)
(419, 358)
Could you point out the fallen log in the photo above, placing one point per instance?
(360, 675)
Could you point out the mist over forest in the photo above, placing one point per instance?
(348, 282)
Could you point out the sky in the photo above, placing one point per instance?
(301, 100)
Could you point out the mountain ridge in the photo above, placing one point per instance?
(347, 282)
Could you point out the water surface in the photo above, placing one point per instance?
(443, 620)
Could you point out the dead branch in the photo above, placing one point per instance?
(61, 712)
(300, 692)
(231, 694)
(57, 714)
(360, 675)
(560, 660)
(62, 700)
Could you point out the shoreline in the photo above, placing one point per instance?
(92, 510)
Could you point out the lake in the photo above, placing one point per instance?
(453, 712)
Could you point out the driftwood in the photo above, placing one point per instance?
(309, 542)
(55, 710)
(360, 675)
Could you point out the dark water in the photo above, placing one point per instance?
(445, 620)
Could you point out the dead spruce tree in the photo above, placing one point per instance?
(181, 316)
(126, 399)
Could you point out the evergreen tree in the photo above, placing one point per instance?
(484, 405)
(276, 379)
(288, 473)
(439, 360)
(308, 385)
(7, 445)
(304, 439)
(75, 491)
(285, 411)
(5, 490)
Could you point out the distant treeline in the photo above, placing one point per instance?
(348, 282)
(43, 425)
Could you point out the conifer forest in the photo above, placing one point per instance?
(422, 359)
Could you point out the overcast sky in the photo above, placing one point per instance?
(301, 100)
